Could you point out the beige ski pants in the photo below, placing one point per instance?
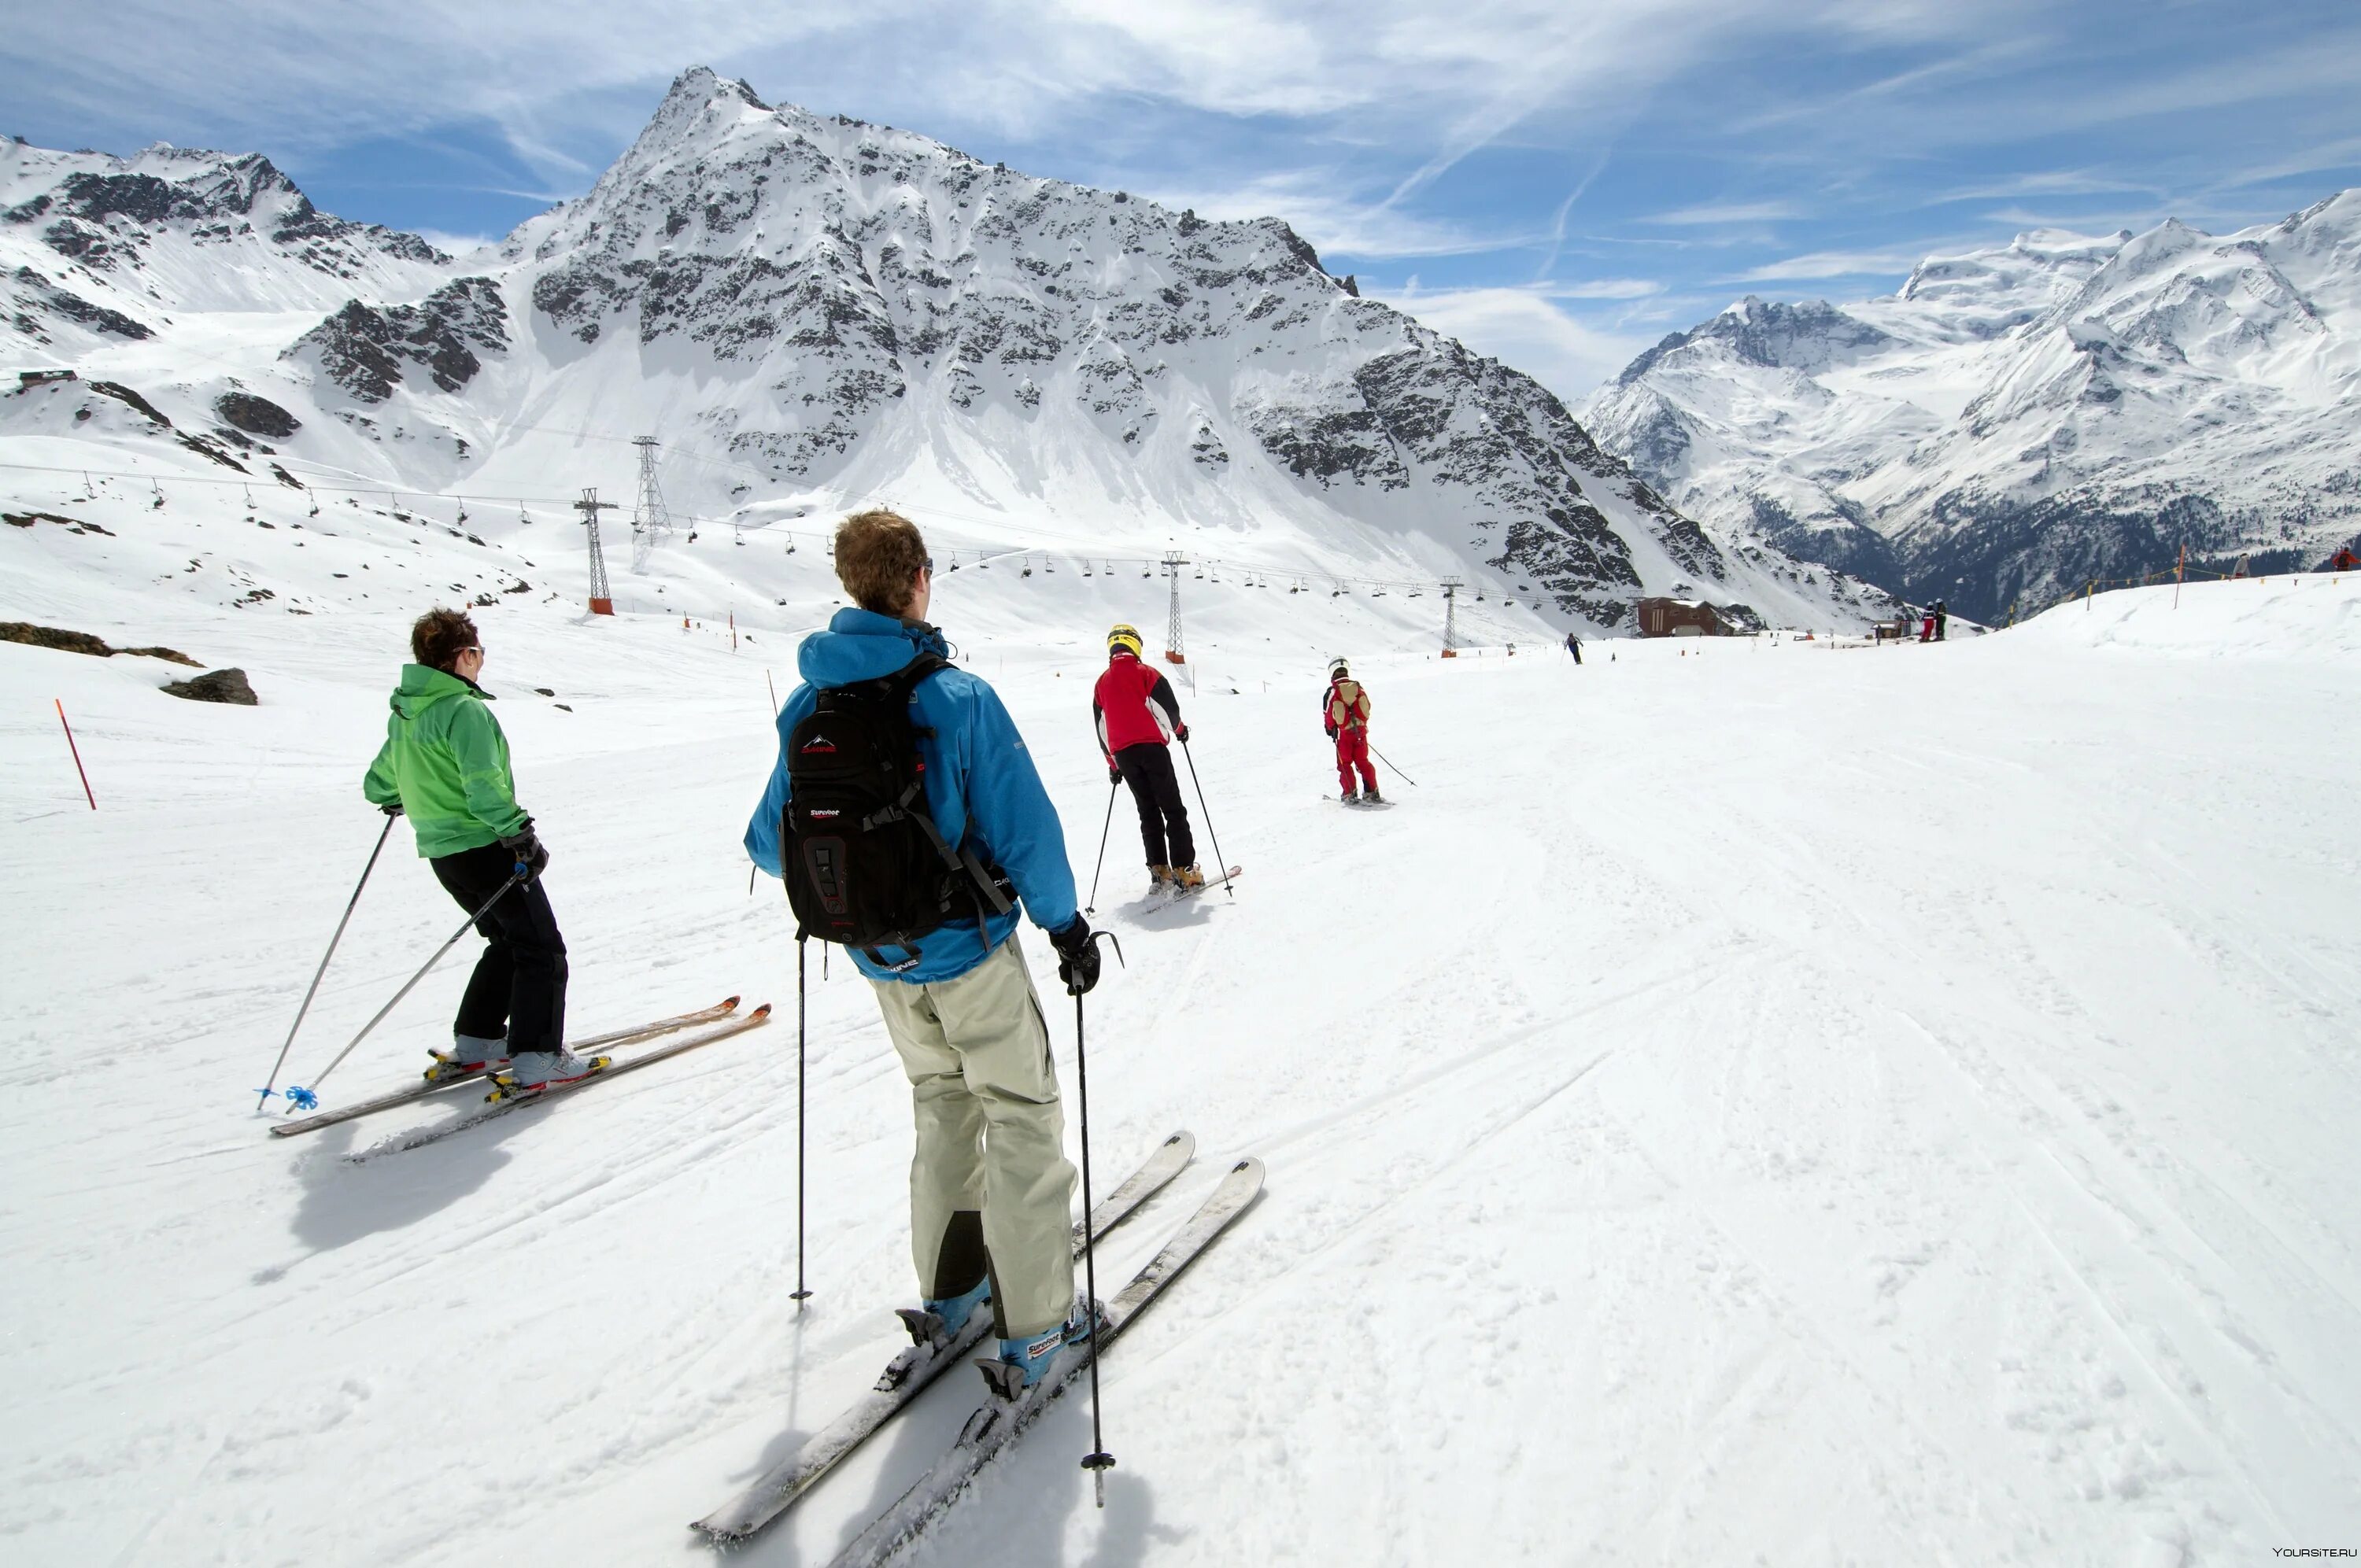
(990, 1148)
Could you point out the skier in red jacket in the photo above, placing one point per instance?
(1345, 712)
(1138, 718)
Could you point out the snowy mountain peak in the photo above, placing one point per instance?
(804, 307)
(2023, 419)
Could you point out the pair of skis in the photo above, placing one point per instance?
(999, 1421)
(719, 1012)
(1168, 899)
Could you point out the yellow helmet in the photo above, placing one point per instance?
(1124, 637)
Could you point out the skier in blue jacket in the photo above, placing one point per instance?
(990, 1189)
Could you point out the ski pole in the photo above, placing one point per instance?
(801, 1294)
(309, 1098)
(1098, 1461)
(270, 1086)
(1397, 773)
(1208, 816)
(1092, 907)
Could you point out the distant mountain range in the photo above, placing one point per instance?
(2016, 422)
(807, 308)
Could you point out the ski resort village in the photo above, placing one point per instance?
(1280, 785)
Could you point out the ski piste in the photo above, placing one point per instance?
(421, 1089)
(909, 1373)
(998, 1422)
(424, 1136)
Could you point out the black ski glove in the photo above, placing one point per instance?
(1180, 734)
(1115, 775)
(527, 847)
(1078, 956)
(391, 808)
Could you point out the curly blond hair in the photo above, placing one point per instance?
(878, 553)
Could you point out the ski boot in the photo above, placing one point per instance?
(1160, 878)
(933, 1320)
(1369, 796)
(1187, 879)
(536, 1073)
(1351, 796)
(1023, 1362)
(468, 1055)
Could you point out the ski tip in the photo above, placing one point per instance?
(729, 1004)
(759, 1012)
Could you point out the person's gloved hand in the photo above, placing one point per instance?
(1115, 775)
(1078, 956)
(526, 846)
(391, 808)
(1180, 734)
(1331, 731)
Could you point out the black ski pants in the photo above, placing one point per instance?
(1156, 789)
(519, 986)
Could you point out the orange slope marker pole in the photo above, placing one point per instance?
(77, 753)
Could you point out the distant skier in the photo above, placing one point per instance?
(1927, 627)
(1942, 621)
(1345, 712)
(1574, 646)
(990, 1189)
(1137, 718)
(2344, 560)
(445, 765)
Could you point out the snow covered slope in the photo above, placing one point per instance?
(2014, 422)
(808, 310)
(1877, 1106)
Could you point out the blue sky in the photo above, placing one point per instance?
(1558, 184)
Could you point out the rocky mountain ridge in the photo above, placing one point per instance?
(2013, 422)
(821, 308)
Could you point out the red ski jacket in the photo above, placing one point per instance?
(1134, 705)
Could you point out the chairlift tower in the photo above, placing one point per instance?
(1451, 587)
(602, 598)
(1173, 562)
(650, 517)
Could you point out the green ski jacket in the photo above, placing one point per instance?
(446, 762)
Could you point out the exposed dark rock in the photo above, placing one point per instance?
(257, 416)
(81, 641)
(71, 524)
(214, 685)
(125, 395)
(364, 349)
(35, 291)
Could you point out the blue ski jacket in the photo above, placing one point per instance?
(981, 784)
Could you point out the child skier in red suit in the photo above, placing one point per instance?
(1345, 712)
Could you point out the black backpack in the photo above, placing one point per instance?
(866, 866)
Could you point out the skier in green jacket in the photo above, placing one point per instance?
(445, 766)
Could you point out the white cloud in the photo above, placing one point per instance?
(563, 77)
(1316, 205)
(1603, 288)
(456, 243)
(1833, 264)
(1728, 213)
(1523, 328)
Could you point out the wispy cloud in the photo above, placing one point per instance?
(1524, 328)
(1822, 264)
(1727, 212)
(456, 243)
(1318, 204)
